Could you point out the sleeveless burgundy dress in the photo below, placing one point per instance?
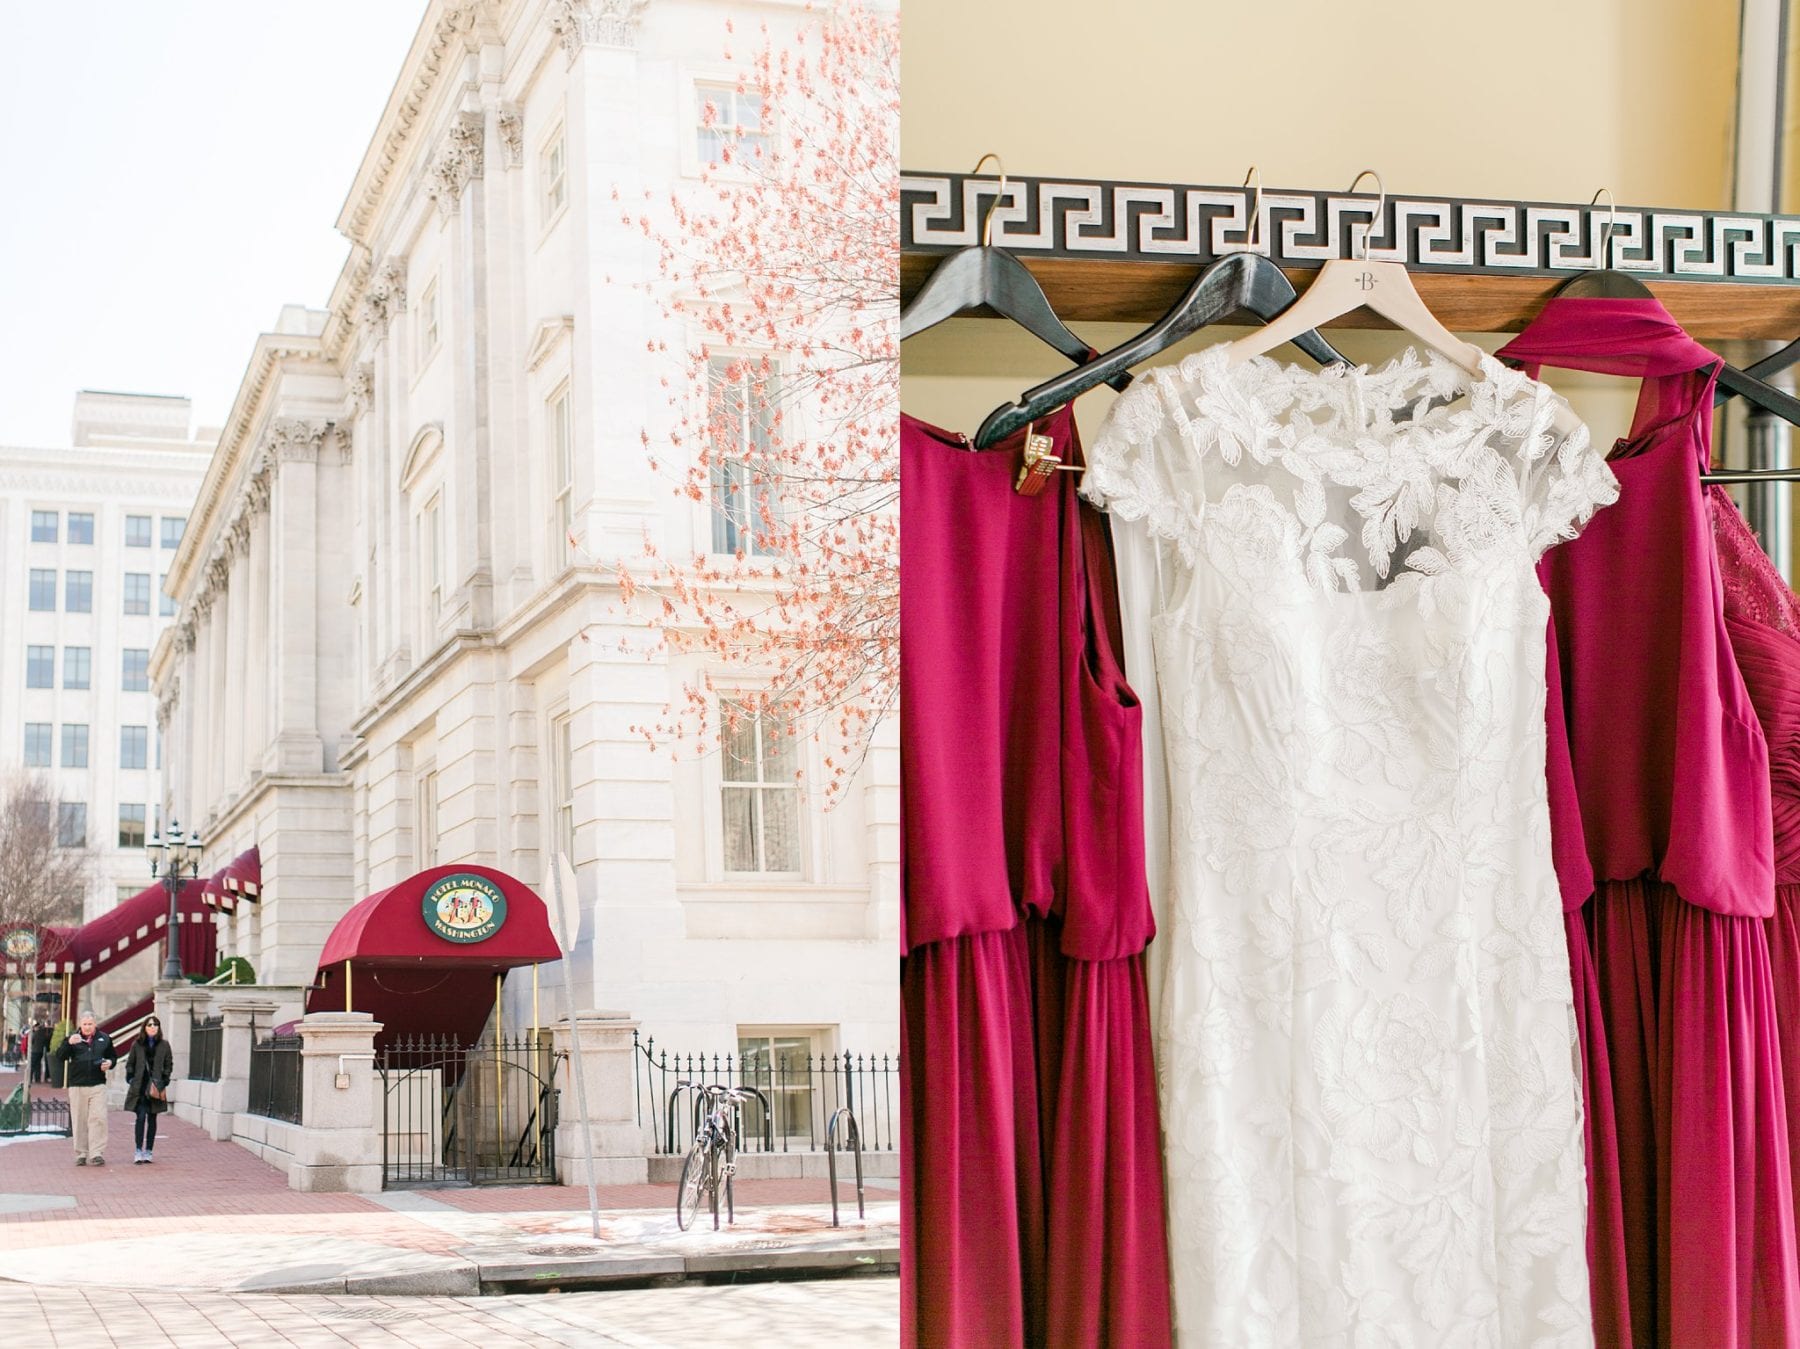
(1031, 1168)
(1660, 807)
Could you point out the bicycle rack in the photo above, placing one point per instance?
(693, 1089)
(854, 1142)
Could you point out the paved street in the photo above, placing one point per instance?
(858, 1312)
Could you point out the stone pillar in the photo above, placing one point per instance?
(219, 712)
(245, 1019)
(258, 690)
(338, 1144)
(297, 747)
(177, 1004)
(616, 1140)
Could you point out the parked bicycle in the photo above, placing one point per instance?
(712, 1160)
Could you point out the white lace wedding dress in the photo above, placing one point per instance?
(1371, 1097)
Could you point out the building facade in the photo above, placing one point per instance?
(88, 533)
(389, 656)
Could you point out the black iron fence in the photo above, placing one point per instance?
(482, 1114)
(21, 1113)
(802, 1092)
(275, 1077)
(206, 1047)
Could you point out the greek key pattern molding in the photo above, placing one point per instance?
(1149, 222)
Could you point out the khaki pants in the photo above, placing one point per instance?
(87, 1113)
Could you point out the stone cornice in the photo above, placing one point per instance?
(447, 30)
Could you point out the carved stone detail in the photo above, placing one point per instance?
(511, 126)
(167, 700)
(607, 23)
(295, 439)
(458, 161)
(361, 385)
(384, 296)
(184, 636)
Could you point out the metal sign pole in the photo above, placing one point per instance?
(568, 925)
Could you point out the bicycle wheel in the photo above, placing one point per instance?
(694, 1172)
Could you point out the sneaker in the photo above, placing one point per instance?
(81, 1161)
(99, 1161)
(137, 1157)
(148, 1155)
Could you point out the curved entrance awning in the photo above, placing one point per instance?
(422, 955)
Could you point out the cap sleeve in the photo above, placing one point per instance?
(1563, 479)
(1141, 467)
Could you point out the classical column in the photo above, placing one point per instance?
(219, 714)
(295, 444)
(205, 710)
(238, 605)
(257, 665)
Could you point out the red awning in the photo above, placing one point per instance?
(417, 982)
(242, 876)
(88, 951)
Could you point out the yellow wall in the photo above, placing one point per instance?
(1535, 99)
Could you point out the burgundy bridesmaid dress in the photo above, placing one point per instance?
(1031, 1168)
(1660, 801)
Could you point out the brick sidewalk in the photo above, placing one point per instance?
(195, 1175)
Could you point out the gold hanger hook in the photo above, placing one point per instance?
(1380, 206)
(1255, 209)
(1604, 261)
(987, 221)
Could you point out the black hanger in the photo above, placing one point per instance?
(1772, 364)
(1237, 283)
(982, 275)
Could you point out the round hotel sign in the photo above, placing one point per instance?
(20, 944)
(464, 908)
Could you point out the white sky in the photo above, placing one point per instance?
(169, 178)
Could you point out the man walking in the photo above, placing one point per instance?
(89, 1056)
(40, 1053)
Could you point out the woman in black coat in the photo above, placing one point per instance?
(152, 1062)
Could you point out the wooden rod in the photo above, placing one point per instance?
(1095, 290)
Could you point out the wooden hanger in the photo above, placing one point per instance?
(1346, 285)
(982, 276)
(1247, 282)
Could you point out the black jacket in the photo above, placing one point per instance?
(84, 1059)
(146, 1066)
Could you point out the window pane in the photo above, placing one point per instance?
(737, 742)
(137, 592)
(43, 526)
(740, 828)
(40, 667)
(75, 746)
(137, 531)
(137, 671)
(75, 667)
(779, 752)
(43, 590)
(131, 826)
(164, 605)
(71, 824)
(781, 828)
(172, 526)
(81, 527)
(134, 746)
(37, 744)
(78, 586)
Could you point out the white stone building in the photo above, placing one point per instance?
(88, 532)
(387, 657)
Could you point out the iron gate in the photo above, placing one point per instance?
(483, 1114)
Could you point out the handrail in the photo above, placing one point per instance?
(855, 1144)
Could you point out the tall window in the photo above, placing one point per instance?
(137, 592)
(77, 661)
(431, 541)
(71, 824)
(428, 322)
(43, 590)
(562, 783)
(43, 526)
(730, 118)
(81, 526)
(427, 805)
(78, 587)
(137, 671)
(131, 826)
(137, 531)
(777, 1062)
(740, 396)
(40, 667)
(164, 605)
(554, 176)
(562, 471)
(75, 746)
(761, 797)
(134, 747)
(172, 528)
(37, 744)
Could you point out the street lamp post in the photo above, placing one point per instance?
(174, 859)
